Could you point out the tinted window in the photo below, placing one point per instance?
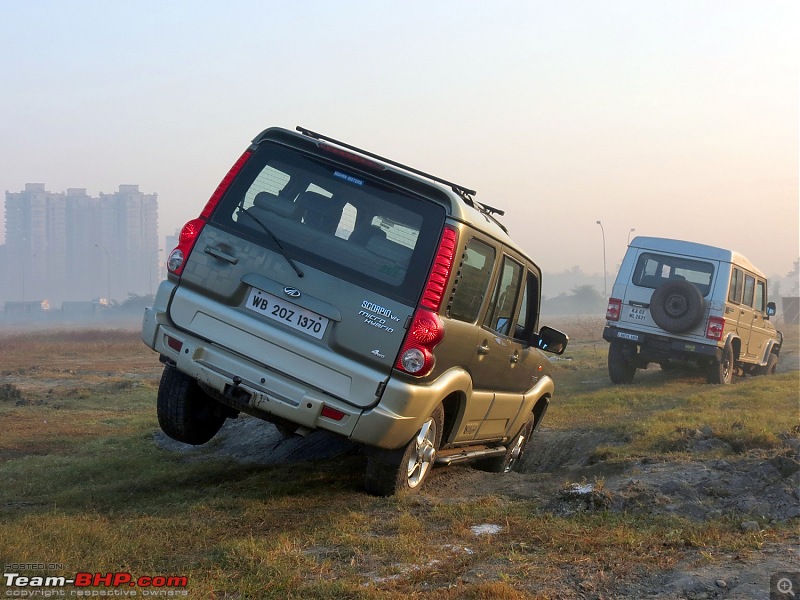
(473, 281)
(344, 222)
(526, 320)
(749, 290)
(737, 283)
(653, 270)
(761, 296)
(501, 309)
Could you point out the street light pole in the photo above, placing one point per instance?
(629, 236)
(603, 231)
(108, 256)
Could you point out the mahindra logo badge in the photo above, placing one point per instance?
(291, 292)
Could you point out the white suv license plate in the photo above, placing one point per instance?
(287, 313)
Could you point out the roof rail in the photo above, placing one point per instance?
(462, 191)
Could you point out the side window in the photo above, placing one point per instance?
(749, 290)
(761, 296)
(501, 309)
(526, 320)
(735, 291)
(476, 270)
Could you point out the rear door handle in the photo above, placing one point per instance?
(217, 253)
(483, 348)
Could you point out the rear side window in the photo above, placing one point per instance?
(338, 220)
(749, 290)
(653, 270)
(473, 281)
(737, 283)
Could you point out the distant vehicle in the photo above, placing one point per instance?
(324, 287)
(684, 302)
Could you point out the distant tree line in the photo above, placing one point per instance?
(582, 300)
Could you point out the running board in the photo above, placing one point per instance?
(457, 455)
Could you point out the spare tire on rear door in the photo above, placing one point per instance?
(677, 306)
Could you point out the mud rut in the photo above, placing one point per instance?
(564, 474)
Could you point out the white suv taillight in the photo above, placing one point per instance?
(427, 330)
(614, 309)
(715, 327)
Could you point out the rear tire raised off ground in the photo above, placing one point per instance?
(185, 412)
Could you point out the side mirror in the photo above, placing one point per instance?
(550, 340)
(771, 309)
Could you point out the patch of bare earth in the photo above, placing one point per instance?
(755, 490)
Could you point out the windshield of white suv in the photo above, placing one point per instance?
(333, 218)
(653, 270)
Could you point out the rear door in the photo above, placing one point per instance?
(310, 267)
(655, 269)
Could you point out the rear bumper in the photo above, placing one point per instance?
(265, 393)
(655, 348)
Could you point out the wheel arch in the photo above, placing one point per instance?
(735, 342)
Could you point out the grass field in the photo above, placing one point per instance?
(86, 489)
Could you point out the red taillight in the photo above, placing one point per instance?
(225, 184)
(715, 327)
(440, 272)
(191, 231)
(427, 330)
(186, 240)
(614, 309)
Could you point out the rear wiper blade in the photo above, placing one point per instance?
(281, 249)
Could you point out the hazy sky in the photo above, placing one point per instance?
(676, 118)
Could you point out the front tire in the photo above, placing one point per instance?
(772, 365)
(390, 472)
(185, 412)
(721, 372)
(621, 366)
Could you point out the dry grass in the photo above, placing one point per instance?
(85, 486)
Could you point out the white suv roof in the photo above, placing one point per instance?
(694, 249)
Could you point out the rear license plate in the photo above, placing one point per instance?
(637, 314)
(287, 313)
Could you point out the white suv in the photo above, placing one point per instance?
(683, 302)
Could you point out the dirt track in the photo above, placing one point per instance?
(755, 489)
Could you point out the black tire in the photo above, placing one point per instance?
(391, 472)
(621, 362)
(512, 459)
(185, 412)
(722, 371)
(677, 306)
(772, 365)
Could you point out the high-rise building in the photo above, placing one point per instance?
(71, 246)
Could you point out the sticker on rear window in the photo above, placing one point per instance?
(348, 178)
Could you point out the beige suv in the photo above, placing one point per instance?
(325, 287)
(683, 302)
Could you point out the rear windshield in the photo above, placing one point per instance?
(335, 219)
(653, 270)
